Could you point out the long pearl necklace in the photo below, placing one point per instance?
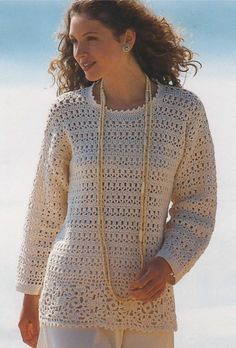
(100, 173)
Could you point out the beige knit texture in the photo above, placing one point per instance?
(60, 255)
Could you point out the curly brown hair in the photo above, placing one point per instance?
(157, 48)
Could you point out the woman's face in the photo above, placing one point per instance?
(94, 44)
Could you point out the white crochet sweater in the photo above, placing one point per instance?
(60, 256)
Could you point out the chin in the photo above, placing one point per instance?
(93, 78)
(93, 75)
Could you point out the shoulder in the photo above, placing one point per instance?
(65, 105)
(67, 100)
(181, 98)
(184, 105)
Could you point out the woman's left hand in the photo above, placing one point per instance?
(152, 280)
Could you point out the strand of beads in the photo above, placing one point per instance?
(144, 187)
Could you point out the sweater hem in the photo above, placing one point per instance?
(107, 327)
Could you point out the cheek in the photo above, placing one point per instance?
(108, 51)
(110, 56)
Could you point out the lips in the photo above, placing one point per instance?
(86, 66)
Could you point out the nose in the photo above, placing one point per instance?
(79, 50)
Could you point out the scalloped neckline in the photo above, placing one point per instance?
(122, 111)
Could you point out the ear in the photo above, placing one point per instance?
(129, 37)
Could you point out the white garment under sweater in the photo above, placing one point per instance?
(61, 254)
(57, 337)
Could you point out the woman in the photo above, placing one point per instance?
(123, 139)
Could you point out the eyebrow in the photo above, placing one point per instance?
(89, 32)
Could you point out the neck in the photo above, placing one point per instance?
(125, 91)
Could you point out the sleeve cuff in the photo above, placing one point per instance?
(175, 268)
(29, 289)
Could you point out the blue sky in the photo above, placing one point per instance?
(27, 34)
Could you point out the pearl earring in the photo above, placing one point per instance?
(126, 48)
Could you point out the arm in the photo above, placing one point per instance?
(47, 205)
(194, 198)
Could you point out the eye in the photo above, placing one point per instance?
(72, 41)
(91, 38)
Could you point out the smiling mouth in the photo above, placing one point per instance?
(87, 66)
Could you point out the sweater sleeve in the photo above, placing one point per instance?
(47, 206)
(194, 197)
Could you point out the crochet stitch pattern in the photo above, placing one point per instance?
(60, 256)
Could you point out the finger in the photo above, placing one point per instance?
(153, 292)
(31, 342)
(154, 283)
(27, 333)
(35, 334)
(140, 294)
(35, 328)
(27, 337)
(34, 342)
(145, 290)
(141, 282)
(154, 296)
